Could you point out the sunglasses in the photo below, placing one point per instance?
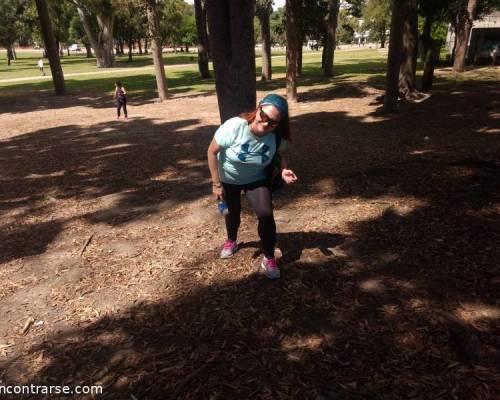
(266, 118)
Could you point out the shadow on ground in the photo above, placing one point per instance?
(131, 168)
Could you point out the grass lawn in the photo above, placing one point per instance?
(365, 65)
(26, 63)
(359, 64)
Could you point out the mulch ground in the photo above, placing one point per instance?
(389, 247)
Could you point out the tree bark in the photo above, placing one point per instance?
(394, 57)
(430, 47)
(265, 30)
(156, 49)
(10, 54)
(292, 48)
(146, 45)
(58, 46)
(90, 34)
(408, 70)
(230, 23)
(431, 57)
(88, 49)
(323, 54)
(463, 29)
(383, 38)
(130, 48)
(50, 46)
(201, 30)
(299, 57)
(105, 38)
(139, 45)
(333, 12)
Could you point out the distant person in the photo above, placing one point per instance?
(238, 156)
(495, 54)
(40, 67)
(121, 99)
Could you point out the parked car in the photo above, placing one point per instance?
(74, 47)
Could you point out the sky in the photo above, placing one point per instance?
(277, 3)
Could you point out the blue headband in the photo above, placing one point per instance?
(277, 101)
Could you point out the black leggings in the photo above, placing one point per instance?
(119, 105)
(259, 195)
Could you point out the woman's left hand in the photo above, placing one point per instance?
(288, 176)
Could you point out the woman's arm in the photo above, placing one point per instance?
(284, 164)
(287, 174)
(212, 151)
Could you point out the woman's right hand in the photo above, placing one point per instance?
(218, 192)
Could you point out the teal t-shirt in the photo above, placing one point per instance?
(244, 155)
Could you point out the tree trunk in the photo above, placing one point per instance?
(105, 38)
(67, 51)
(88, 31)
(323, 54)
(408, 70)
(90, 34)
(201, 31)
(139, 45)
(333, 12)
(383, 38)
(299, 58)
(156, 49)
(88, 49)
(292, 48)
(10, 54)
(50, 46)
(130, 44)
(58, 47)
(427, 53)
(146, 45)
(463, 29)
(265, 30)
(230, 23)
(394, 57)
(431, 58)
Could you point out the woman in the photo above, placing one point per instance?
(121, 99)
(237, 157)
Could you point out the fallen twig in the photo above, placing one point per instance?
(27, 325)
(87, 242)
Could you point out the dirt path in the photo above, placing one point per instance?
(109, 253)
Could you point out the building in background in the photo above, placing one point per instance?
(484, 42)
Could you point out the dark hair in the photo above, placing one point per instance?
(283, 128)
(119, 84)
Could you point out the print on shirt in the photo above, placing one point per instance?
(245, 153)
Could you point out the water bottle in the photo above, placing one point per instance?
(222, 207)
